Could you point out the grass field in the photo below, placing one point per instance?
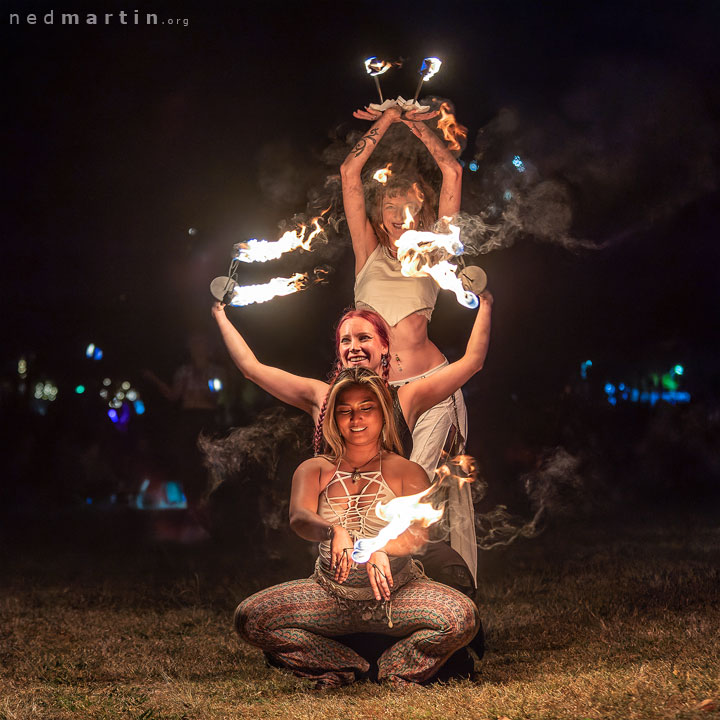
(590, 620)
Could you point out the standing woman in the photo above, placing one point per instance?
(333, 502)
(406, 304)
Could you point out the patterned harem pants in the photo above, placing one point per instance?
(294, 623)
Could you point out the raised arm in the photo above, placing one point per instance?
(362, 235)
(449, 202)
(303, 393)
(417, 397)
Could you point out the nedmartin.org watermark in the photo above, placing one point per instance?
(117, 18)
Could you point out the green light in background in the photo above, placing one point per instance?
(80, 389)
(678, 369)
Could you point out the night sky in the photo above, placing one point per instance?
(118, 139)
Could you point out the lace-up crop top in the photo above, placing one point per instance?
(355, 512)
(380, 286)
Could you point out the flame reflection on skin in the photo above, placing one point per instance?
(402, 512)
(249, 294)
(451, 129)
(264, 250)
(423, 253)
(383, 174)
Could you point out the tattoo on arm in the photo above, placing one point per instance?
(362, 143)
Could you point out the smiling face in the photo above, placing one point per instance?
(398, 210)
(359, 416)
(359, 344)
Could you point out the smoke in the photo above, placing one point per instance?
(552, 490)
(258, 447)
(628, 146)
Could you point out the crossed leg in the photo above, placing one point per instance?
(295, 623)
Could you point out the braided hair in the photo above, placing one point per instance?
(382, 332)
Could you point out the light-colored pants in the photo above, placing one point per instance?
(429, 436)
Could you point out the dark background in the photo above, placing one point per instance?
(119, 139)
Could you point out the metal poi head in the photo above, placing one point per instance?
(221, 288)
(474, 279)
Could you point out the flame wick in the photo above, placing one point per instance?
(428, 68)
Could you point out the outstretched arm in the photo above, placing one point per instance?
(419, 396)
(362, 235)
(304, 393)
(450, 168)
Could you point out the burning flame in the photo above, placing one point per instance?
(265, 250)
(402, 512)
(429, 67)
(375, 66)
(249, 294)
(409, 219)
(383, 174)
(450, 128)
(423, 254)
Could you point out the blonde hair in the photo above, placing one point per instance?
(360, 377)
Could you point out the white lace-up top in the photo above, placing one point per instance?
(354, 506)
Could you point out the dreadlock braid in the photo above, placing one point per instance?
(318, 434)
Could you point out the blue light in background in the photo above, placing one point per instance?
(518, 163)
(507, 196)
(139, 407)
(678, 369)
(112, 414)
(584, 368)
(609, 388)
(472, 166)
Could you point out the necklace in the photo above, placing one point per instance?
(397, 360)
(355, 475)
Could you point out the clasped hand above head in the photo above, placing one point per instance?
(394, 114)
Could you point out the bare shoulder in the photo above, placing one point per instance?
(315, 472)
(312, 468)
(403, 476)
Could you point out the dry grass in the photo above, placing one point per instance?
(581, 623)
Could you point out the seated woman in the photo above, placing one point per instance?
(333, 502)
(406, 304)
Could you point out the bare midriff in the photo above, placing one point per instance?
(412, 353)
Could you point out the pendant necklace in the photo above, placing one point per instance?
(355, 475)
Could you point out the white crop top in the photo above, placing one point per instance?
(380, 286)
